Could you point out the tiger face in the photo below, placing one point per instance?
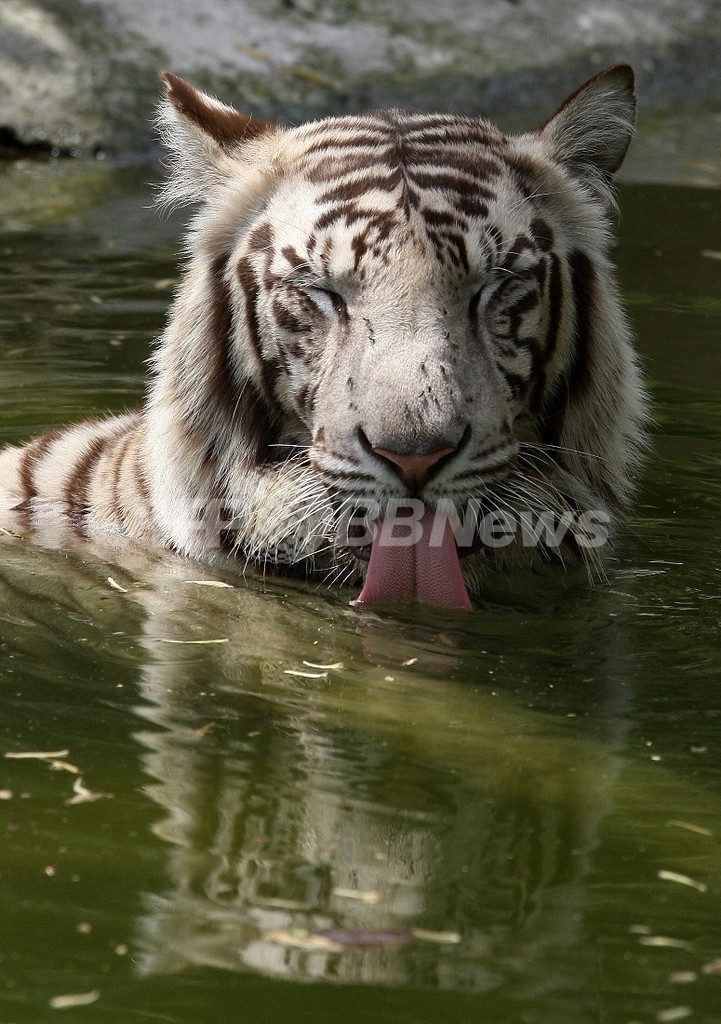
(397, 355)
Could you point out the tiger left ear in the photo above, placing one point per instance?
(591, 130)
(225, 125)
(205, 138)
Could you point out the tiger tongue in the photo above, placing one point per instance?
(424, 571)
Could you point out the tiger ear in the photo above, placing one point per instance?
(204, 137)
(591, 130)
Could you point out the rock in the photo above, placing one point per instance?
(82, 74)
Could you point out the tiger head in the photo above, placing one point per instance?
(397, 347)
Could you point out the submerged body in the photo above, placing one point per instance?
(397, 354)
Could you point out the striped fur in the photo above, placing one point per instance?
(396, 281)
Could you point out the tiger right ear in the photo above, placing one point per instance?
(204, 136)
(591, 130)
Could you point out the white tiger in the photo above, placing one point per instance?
(397, 349)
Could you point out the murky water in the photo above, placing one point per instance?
(332, 814)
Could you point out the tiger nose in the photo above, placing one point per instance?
(416, 468)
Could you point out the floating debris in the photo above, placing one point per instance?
(336, 940)
(683, 977)
(63, 766)
(674, 876)
(37, 755)
(278, 903)
(673, 1013)
(116, 586)
(167, 640)
(367, 938)
(712, 967)
(53, 759)
(83, 795)
(78, 999)
(305, 675)
(664, 941)
(446, 938)
(690, 827)
(369, 896)
(210, 583)
(410, 661)
(299, 938)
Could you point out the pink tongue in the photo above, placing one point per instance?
(427, 571)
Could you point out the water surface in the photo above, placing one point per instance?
(333, 814)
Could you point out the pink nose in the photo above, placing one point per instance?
(417, 468)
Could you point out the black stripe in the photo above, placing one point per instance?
(244, 404)
(452, 134)
(472, 206)
(441, 218)
(555, 308)
(124, 446)
(248, 279)
(579, 373)
(348, 190)
(525, 173)
(294, 258)
(33, 454)
(288, 320)
(527, 302)
(261, 238)
(362, 138)
(517, 384)
(583, 287)
(475, 167)
(331, 169)
(222, 384)
(454, 245)
(77, 486)
(352, 214)
(451, 181)
(550, 341)
(542, 233)
(519, 245)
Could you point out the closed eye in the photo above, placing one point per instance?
(499, 278)
(327, 300)
(482, 294)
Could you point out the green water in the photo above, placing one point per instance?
(474, 809)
